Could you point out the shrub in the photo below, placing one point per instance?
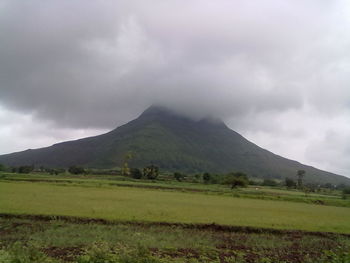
(206, 177)
(237, 179)
(2, 167)
(290, 183)
(346, 192)
(269, 182)
(26, 169)
(179, 176)
(151, 172)
(136, 173)
(76, 170)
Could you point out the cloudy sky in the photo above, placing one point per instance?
(276, 71)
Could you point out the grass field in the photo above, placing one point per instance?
(331, 198)
(139, 204)
(166, 221)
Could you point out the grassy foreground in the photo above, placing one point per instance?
(61, 241)
(131, 204)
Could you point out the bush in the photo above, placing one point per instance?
(26, 169)
(151, 172)
(76, 170)
(290, 183)
(346, 192)
(2, 168)
(269, 182)
(237, 179)
(179, 176)
(206, 177)
(135, 173)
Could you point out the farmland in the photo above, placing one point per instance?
(64, 218)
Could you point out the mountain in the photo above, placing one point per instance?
(174, 143)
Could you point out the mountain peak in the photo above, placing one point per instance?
(174, 142)
(162, 113)
(155, 110)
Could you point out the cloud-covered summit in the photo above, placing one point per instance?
(276, 71)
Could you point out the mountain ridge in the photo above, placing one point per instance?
(175, 143)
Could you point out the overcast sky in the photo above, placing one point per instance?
(276, 71)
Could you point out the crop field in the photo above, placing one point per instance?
(56, 219)
(133, 204)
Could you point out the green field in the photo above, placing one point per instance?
(141, 204)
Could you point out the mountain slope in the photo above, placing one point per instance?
(175, 143)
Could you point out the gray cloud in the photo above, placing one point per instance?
(91, 65)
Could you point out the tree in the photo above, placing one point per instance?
(179, 176)
(151, 172)
(2, 167)
(136, 173)
(206, 177)
(290, 183)
(237, 179)
(125, 166)
(300, 174)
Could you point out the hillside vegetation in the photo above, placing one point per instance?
(174, 143)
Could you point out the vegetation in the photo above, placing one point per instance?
(346, 192)
(129, 204)
(237, 179)
(38, 240)
(76, 170)
(136, 173)
(179, 176)
(300, 174)
(151, 172)
(168, 220)
(172, 143)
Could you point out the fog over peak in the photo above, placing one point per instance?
(275, 71)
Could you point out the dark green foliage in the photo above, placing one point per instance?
(54, 171)
(290, 183)
(237, 179)
(328, 186)
(300, 174)
(76, 170)
(179, 176)
(269, 182)
(25, 169)
(174, 143)
(346, 193)
(151, 172)
(135, 173)
(2, 167)
(206, 177)
(312, 187)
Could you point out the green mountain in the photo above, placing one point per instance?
(174, 143)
